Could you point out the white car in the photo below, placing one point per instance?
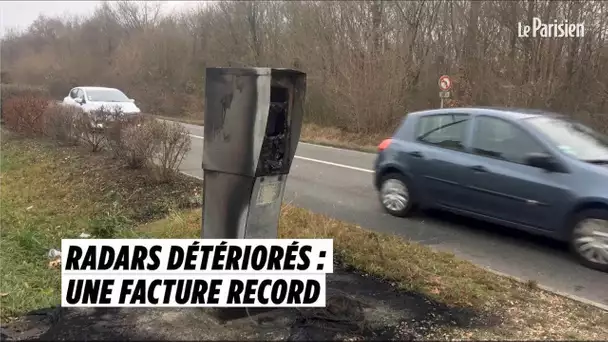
(94, 98)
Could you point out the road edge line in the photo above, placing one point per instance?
(313, 160)
(300, 142)
(334, 164)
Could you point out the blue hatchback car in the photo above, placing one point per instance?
(531, 170)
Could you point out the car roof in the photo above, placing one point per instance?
(95, 88)
(506, 113)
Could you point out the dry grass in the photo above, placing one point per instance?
(526, 312)
(330, 136)
(49, 193)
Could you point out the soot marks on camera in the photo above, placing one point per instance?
(275, 146)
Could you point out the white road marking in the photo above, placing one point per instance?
(304, 143)
(335, 164)
(309, 144)
(315, 160)
(332, 148)
(191, 175)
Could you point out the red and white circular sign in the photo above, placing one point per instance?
(445, 83)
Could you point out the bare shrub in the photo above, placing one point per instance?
(24, 114)
(158, 145)
(114, 133)
(60, 123)
(8, 91)
(172, 143)
(90, 128)
(136, 144)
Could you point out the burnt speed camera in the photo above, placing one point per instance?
(253, 118)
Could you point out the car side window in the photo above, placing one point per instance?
(80, 94)
(499, 139)
(74, 93)
(443, 130)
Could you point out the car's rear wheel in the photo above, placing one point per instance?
(589, 241)
(396, 195)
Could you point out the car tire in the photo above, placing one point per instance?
(396, 195)
(589, 227)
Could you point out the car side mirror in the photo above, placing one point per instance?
(79, 100)
(543, 161)
(131, 100)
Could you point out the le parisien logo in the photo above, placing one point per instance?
(556, 29)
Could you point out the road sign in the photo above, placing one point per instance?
(444, 94)
(445, 83)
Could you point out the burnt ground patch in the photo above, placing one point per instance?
(359, 307)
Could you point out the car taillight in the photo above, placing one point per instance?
(384, 144)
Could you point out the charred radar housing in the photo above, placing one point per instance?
(253, 119)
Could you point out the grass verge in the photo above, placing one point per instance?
(527, 313)
(50, 193)
(319, 135)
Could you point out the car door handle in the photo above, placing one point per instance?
(478, 168)
(415, 154)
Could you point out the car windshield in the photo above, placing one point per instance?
(106, 95)
(574, 138)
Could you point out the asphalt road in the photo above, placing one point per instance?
(338, 183)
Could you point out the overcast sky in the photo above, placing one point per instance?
(20, 14)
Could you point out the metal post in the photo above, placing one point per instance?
(253, 118)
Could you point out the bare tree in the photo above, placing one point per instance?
(368, 62)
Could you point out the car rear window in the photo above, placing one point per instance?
(106, 95)
(444, 130)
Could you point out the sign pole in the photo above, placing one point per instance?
(441, 102)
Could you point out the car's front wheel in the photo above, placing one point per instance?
(396, 195)
(589, 241)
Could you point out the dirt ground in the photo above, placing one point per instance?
(359, 307)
